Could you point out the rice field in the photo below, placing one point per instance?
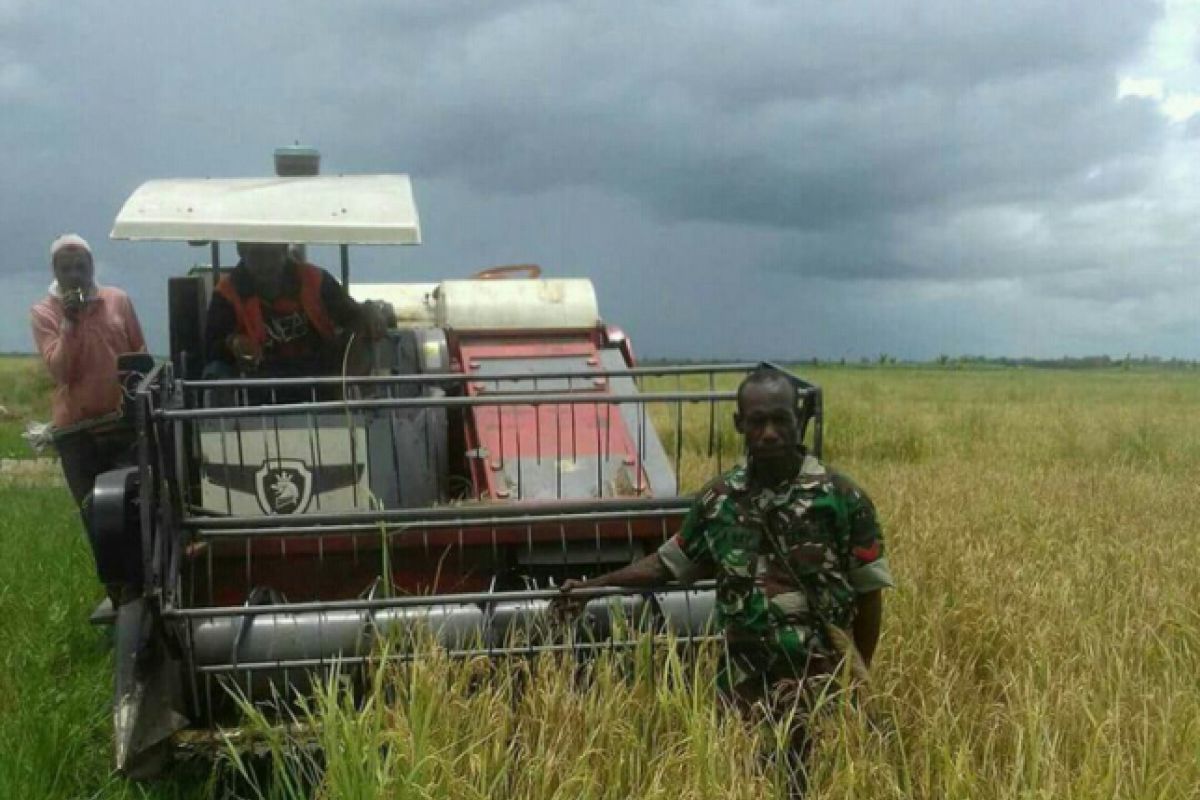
(1044, 640)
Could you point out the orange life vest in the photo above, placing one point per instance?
(249, 309)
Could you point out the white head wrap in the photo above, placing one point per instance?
(72, 241)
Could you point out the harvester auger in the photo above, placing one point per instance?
(505, 440)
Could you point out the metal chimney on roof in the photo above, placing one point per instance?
(297, 160)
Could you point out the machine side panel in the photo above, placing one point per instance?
(557, 451)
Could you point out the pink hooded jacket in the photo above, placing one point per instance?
(81, 355)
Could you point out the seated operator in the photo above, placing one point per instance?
(275, 316)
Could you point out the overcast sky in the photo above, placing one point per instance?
(784, 179)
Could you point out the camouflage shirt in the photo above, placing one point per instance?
(737, 532)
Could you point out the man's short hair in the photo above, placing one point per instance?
(767, 374)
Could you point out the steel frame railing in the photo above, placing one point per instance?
(168, 409)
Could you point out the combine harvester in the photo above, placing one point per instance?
(506, 440)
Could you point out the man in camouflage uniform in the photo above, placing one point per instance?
(798, 559)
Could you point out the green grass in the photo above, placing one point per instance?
(25, 389)
(55, 669)
(1043, 642)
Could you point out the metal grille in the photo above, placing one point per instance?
(290, 524)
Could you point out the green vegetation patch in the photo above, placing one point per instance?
(25, 390)
(55, 669)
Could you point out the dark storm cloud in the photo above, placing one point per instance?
(687, 142)
(797, 116)
(790, 115)
(828, 124)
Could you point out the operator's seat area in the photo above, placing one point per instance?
(408, 350)
(187, 305)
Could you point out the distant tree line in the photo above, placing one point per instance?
(945, 361)
(1072, 362)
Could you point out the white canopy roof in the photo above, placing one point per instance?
(325, 209)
